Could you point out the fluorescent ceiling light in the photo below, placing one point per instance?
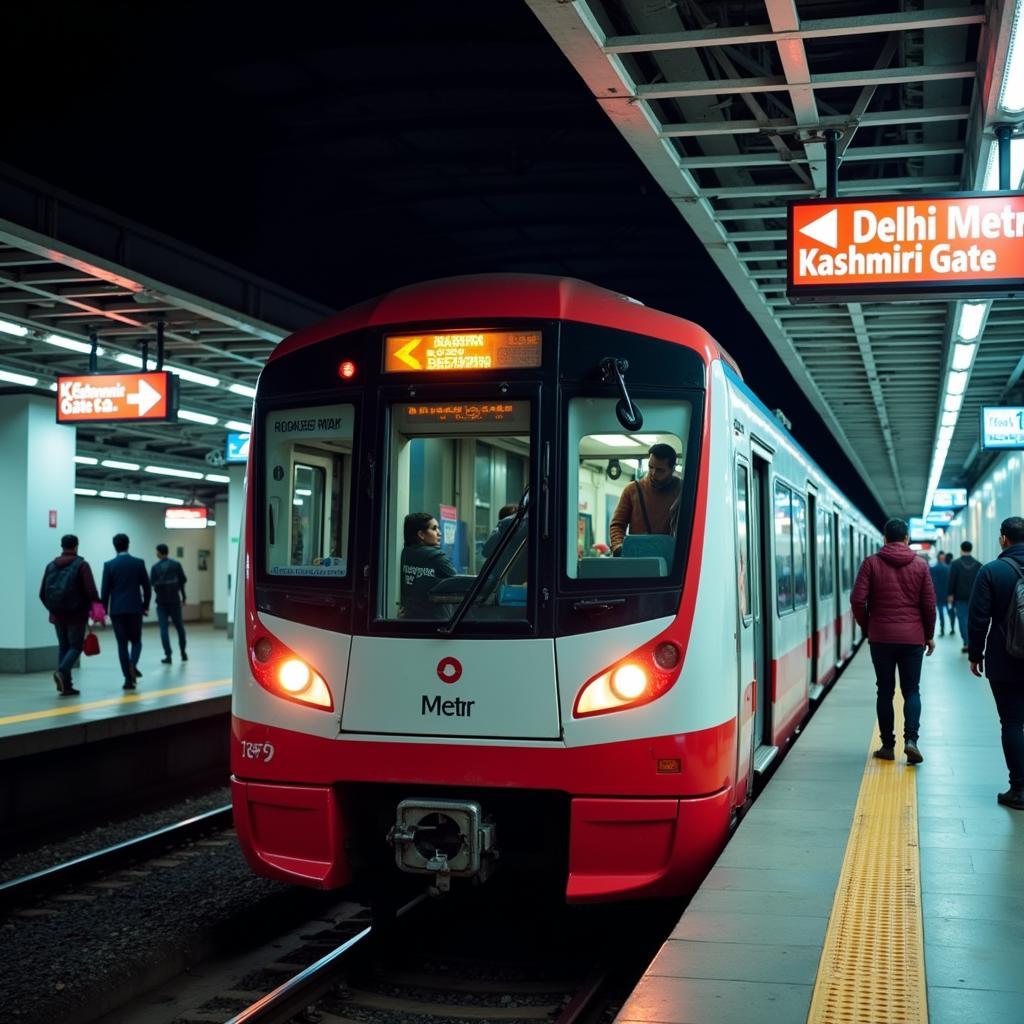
(1011, 93)
(117, 464)
(957, 382)
(218, 478)
(953, 403)
(237, 425)
(971, 316)
(303, 492)
(613, 440)
(645, 438)
(963, 356)
(53, 386)
(197, 417)
(85, 492)
(86, 460)
(195, 378)
(134, 497)
(16, 329)
(949, 419)
(19, 378)
(112, 494)
(128, 359)
(185, 474)
(946, 434)
(991, 182)
(242, 389)
(71, 344)
(159, 499)
(298, 501)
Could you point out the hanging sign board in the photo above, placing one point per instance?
(950, 497)
(187, 517)
(906, 248)
(113, 397)
(921, 530)
(1002, 426)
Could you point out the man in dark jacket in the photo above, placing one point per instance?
(68, 590)
(986, 632)
(168, 579)
(125, 594)
(893, 601)
(962, 574)
(940, 581)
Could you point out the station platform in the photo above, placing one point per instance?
(857, 890)
(34, 718)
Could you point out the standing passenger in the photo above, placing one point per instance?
(168, 579)
(993, 605)
(650, 504)
(893, 601)
(940, 580)
(962, 574)
(125, 595)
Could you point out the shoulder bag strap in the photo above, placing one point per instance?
(643, 507)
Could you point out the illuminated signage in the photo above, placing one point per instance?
(940, 518)
(461, 350)
(1002, 426)
(446, 417)
(903, 248)
(922, 530)
(188, 517)
(950, 497)
(111, 397)
(237, 447)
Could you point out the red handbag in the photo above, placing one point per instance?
(91, 645)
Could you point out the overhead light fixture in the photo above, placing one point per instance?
(19, 378)
(16, 329)
(195, 378)
(237, 425)
(112, 494)
(613, 440)
(946, 434)
(957, 382)
(991, 182)
(953, 403)
(963, 356)
(185, 474)
(117, 464)
(972, 315)
(242, 389)
(1011, 93)
(218, 478)
(949, 419)
(71, 344)
(85, 492)
(86, 460)
(134, 497)
(197, 417)
(128, 359)
(158, 499)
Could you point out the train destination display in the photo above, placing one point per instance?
(110, 397)
(1002, 426)
(461, 350)
(901, 248)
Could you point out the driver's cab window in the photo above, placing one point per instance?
(457, 473)
(625, 489)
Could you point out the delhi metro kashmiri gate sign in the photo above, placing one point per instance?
(907, 247)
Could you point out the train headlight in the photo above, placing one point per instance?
(278, 669)
(294, 675)
(640, 677)
(628, 682)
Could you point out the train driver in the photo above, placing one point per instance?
(423, 566)
(650, 504)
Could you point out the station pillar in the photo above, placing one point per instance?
(37, 507)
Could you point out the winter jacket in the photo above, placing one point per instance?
(423, 567)
(167, 579)
(662, 510)
(990, 600)
(893, 599)
(962, 574)
(86, 589)
(940, 580)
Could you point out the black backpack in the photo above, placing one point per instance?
(1015, 614)
(61, 590)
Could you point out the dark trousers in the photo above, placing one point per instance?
(172, 612)
(887, 658)
(128, 630)
(70, 637)
(943, 610)
(1010, 705)
(961, 618)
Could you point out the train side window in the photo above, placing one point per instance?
(783, 517)
(743, 539)
(824, 555)
(307, 469)
(799, 550)
(604, 477)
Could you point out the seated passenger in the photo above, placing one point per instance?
(423, 565)
(517, 572)
(650, 504)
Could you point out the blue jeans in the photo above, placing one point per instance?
(887, 658)
(1010, 705)
(172, 612)
(128, 631)
(70, 637)
(961, 618)
(942, 610)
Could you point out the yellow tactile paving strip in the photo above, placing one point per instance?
(872, 965)
(71, 708)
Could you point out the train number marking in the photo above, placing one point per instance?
(258, 751)
(457, 708)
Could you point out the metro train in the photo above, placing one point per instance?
(602, 718)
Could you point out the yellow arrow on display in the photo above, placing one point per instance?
(405, 354)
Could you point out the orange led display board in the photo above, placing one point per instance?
(110, 397)
(440, 351)
(907, 247)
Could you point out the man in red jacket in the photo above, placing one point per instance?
(893, 601)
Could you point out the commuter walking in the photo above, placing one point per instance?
(168, 580)
(939, 573)
(893, 601)
(995, 634)
(125, 594)
(962, 574)
(68, 591)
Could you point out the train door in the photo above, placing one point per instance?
(746, 677)
(760, 521)
(814, 688)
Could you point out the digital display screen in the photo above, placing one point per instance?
(441, 351)
(1002, 426)
(950, 497)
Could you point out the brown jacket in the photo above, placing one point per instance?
(661, 510)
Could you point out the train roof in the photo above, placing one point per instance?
(524, 296)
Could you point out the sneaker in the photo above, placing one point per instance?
(70, 691)
(184, 656)
(885, 753)
(165, 661)
(129, 684)
(136, 672)
(58, 678)
(1012, 798)
(914, 756)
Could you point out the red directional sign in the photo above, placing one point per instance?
(110, 397)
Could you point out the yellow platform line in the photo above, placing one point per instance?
(129, 697)
(872, 964)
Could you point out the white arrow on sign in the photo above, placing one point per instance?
(145, 398)
(825, 229)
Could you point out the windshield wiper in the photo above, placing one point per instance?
(504, 542)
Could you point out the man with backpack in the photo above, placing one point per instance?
(68, 591)
(168, 580)
(996, 643)
(962, 574)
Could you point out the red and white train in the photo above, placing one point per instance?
(605, 717)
